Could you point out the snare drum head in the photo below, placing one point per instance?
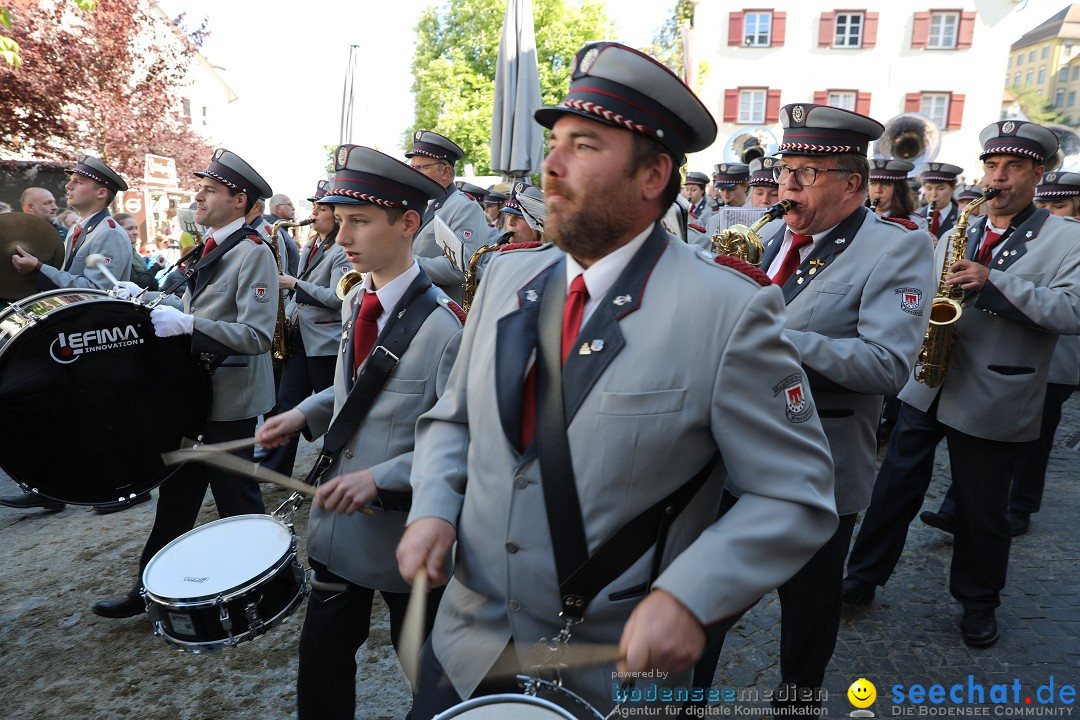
(506, 707)
(90, 398)
(217, 558)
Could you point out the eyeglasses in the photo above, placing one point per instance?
(422, 167)
(804, 176)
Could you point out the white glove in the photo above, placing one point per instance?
(169, 321)
(125, 290)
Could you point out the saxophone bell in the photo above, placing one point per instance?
(279, 348)
(744, 242)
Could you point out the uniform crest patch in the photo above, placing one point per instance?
(262, 292)
(345, 269)
(797, 113)
(910, 300)
(466, 234)
(1008, 127)
(342, 156)
(798, 407)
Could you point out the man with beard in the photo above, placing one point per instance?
(585, 509)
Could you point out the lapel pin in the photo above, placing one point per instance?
(840, 241)
(1028, 234)
(622, 300)
(597, 345)
(584, 349)
(1001, 261)
(799, 281)
(530, 295)
(812, 271)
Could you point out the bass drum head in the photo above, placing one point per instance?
(90, 398)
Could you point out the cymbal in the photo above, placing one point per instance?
(37, 237)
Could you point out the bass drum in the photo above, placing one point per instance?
(90, 398)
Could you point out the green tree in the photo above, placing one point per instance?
(1035, 105)
(667, 44)
(454, 65)
(9, 49)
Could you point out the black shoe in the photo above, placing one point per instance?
(30, 500)
(857, 592)
(795, 700)
(942, 521)
(128, 606)
(979, 628)
(1019, 522)
(111, 507)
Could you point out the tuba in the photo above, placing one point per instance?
(945, 310)
(279, 349)
(750, 144)
(743, 242)
(347, 282)
(909, 136)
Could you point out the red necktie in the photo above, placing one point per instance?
(793, 258)
(573, 311)
(311, 254)
(210, 245)
(986, 250)
(935, 224)
(75, 239)
(367, 328)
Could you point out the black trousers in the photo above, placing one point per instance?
(810, 608)
(981, 471)
(181, 496)
(434, 693)
(1029, 476)
(300, 377)
(335, 626)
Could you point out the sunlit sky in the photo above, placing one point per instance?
(286, 62)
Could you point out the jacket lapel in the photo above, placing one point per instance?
(824, 253)
(91, 225)
(772, 248)
(206, 266)
(1015, 246)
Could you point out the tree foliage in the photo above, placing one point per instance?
(107, 82)
(457, 50)
(667, 44)
(1035, 105)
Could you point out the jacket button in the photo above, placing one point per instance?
(511, 548)
(521, 481)
(514, 605)
(348, 454)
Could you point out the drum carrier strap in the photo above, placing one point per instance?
(581, 577)
(419, 301)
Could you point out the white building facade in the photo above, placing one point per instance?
(877, 57)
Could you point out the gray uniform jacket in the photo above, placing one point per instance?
(998, 369)
(647, 408)
(360, 548)
(857, 310)
(946, 218)
(470, 226)
(314, 307)
(234, 301)
(102, 236)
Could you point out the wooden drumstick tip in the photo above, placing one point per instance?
(412, 631)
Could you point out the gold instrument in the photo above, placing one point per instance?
(279, 349)
(347, 282)
(945, 310)
(744, 242)
(472, 277)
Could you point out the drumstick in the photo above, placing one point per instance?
(412, 630)
(570, 655)
(98, 261)
(241, 466)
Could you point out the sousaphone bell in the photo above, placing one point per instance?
(909, 136)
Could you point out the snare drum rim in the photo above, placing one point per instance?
(503, 698)
(233, 592)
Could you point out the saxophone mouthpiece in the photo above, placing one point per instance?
(991, 193)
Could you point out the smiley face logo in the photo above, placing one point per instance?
(862, 693)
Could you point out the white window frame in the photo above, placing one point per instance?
(849, 30)
(936, 107)
(755, 39)
(944, 30)
(844, 99)
(752, 106)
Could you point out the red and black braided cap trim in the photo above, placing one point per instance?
(904, 222)
(520, 246)
(751, 271)
(456, 309)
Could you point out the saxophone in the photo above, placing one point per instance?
(744, 242)
(472, 276)
(279, 349)
(945, 310)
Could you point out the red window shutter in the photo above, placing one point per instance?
(826, 35)
(772, 106)
(821, 97)
(956, 112)
(735, 29)
(779, 27)
(862, 103)
(869, 33)
(912, 102)
(731, 105)
(920, 30)
(966, 30)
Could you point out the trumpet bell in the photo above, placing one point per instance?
(909, 136)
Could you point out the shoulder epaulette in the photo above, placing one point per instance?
(520, 246)
(903, 222)
(695, 226)
(456, 309)
(256, 238)
(751, 271)
(111, 222)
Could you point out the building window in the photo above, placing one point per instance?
(1045, 52)
(1019, 59)
(1029, 76)
(1076, 72)
(936, 107)
(842, 99)
(943, 30)
(751, 107)
(1059, 99)
(1016, 79)
(1042, 74)
(849, 27)
(1063, 74)
(1072, 98)
(1031, 56)
(756, 29)
(186, 107)
(204, 113)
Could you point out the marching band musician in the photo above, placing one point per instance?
(435, 156)
(856, 287)
(1021, 275)
(377, 201)
(229, 310)
(525, 218)
(889, 190)
(938, 184)
(732, 181)
(764, 190)
(694, 187)
(314, 323)
(529, 487)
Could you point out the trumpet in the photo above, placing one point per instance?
(279, 349)
(744, 242)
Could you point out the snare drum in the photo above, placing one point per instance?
(90, 398)
(223, 583)
(507, 707)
